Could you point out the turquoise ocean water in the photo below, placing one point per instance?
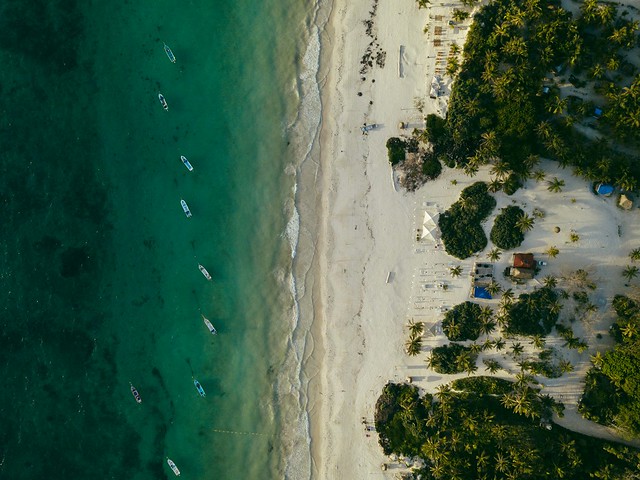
(99, 264)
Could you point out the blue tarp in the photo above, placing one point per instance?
(604, 189)
(481, 292)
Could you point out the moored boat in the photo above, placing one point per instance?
(204, 272)
(186, 163)
(135, 394)
(199, 388)
(163, 102)
(173, 467)
(209, 325)
(185, 208)
(169, 53)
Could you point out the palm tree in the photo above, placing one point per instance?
(552, 251)
(485, 313)
(494, 185)
(630, 272)
(574, 237)
(494, 254)
(489, 143)
(550, 281)
(555, 307)
(455, 271)
(487, 326)
(597, 71)
(500, 169)
(508, 295)
(501, 463)
(555, 185)
(491, 366)
(525, 222)
(471, 168)
(539, 175)
(517, 349)
(556, 105)
(635, 254)
(543, 129)
(413, 345)
(488, 344)
(538, 341)
(416, 329)
(565, 366)
(500, 344)
(597, 359)
(629, 330)
(493, 288)
(523, 379)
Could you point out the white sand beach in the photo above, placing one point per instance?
(368, 227)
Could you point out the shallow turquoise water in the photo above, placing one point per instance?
(99, 262)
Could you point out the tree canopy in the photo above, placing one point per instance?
(480, 428)
(499, 113)
(612, 391)
(460, 225)
(533, 313)
(506, 234)
(463, 322)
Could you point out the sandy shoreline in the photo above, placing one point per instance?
(366, 234)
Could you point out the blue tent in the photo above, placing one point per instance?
(604, 189)
(481, 292)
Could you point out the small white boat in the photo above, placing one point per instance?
(163, 102)
(186, 163)
(173, 467)
(199, 388)
(135, 394)
(185, 208)
(169, 53)
(204, 272)
(209, 325)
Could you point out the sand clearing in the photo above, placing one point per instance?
(375, 273)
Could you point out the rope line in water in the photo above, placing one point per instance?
(239, 433)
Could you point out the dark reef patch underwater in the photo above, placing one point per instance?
(55, 245)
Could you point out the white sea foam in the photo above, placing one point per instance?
(293, 387)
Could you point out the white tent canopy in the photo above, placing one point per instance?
(429, 227)
(428, 235)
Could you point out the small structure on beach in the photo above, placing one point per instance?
(625, 202)
(523, 266)
(429, 229)
(604, 189)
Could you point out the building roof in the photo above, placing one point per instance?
(625, 202)
(523, 260)
(524, 273)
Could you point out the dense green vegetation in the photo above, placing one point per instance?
(396, 148)
(416, 169)
(506, 234)
(612, 391)
(452, 358)
(460, 226)
(499, 113)
(532, 314)
(491, 429)
(463, 322)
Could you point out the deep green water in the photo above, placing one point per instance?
(99, 263)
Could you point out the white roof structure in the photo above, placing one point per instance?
(429, 227)
(428, 235)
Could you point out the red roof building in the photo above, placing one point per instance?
(523, 260)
